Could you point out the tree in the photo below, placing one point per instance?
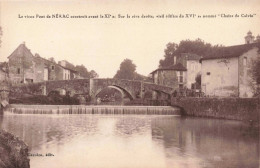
(126, 70)
(256, 77)
(139, 76)
(52, 59)
(197, 46)
(169, 54)
(82, 71)
(1, 33)
(93, 74)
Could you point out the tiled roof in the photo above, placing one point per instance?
(21, 50)
(232, 51)
(176, 67)
(39, 57)
(191, 56)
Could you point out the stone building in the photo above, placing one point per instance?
(181, 74)
(24, 67)
(173, 76)
(192, 64)
(230, 73)
(72, 73)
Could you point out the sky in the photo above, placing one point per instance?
(102, 44)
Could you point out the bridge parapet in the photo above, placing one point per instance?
(156, 87)
(91, 87)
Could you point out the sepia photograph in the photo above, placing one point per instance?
(130, 84)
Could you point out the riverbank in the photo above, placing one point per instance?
(241, 109)
(13, 152)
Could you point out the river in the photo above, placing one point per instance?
(133, 141)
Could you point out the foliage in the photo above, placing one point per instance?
(256, 71)
(256, 76)
(197, 46)
(52, 59)
(93, 74)
(1, 33)
(53, 99)
(82, 71)
(127, 71)
(139, 77)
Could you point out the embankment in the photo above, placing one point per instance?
(242, 109)
(13, 152)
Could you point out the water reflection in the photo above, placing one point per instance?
(219, 143)
(134, 141)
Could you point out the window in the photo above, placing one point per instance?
(181, 79)
(52, 67)
(208, 73)
(18, 71)
(174, 57)
(245, 61)
(181, 86)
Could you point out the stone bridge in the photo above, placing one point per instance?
(91, 87)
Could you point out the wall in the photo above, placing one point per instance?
(13, 152)
(243, 109)
(25, 63)
(245, 77)
(77, 86)
(39, 70)
(169, 78)
(193, 69)
(223, 78)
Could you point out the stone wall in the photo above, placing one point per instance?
(243, 109)
(220, 77)
(21, 67)
(13, 152)
(246, 83)
(23, 89)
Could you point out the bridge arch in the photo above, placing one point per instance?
(123, 91)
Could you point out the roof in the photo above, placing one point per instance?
(191, 56)
(176, 67)
(232, 51)
(21, 50)
(38, 56)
